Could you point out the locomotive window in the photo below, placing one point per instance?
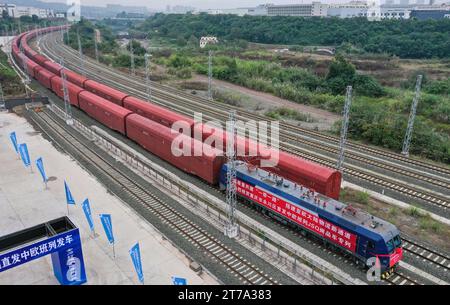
(371, 245)
(397, 241)
(390, 245)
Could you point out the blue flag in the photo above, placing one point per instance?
(107, 226)
(40, 166)
(69, 197)
(178, 281)
(135, 254)
(87, 213)
(13, 138)
(24, 154)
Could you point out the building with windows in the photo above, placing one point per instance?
(392, 9)
(299, 10)
(15, 11)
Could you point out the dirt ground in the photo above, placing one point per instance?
(260, 102)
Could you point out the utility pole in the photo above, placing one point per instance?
(26, 80)
(67, 106)
(95, 45)
(210, 75)
(203, 42)
(68, 37)
(80, 51)
(231, 228)
(2, 98)
(147, 76)
(412, 117)
(133, 70)
(344, 128)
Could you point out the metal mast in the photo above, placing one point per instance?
(133, 70)
(2, 98)
(80, 51)
(412, 117)
(67, 106)
(147, 76)
(344, 127)
(231, 228)
(95, 46)
(209, 74)
(68, 38)
(26, 80)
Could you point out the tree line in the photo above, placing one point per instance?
(403, 38)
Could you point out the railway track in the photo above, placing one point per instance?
(432, 257)
(185, 106)
(398, 278)
(295, 130)
(242, 269)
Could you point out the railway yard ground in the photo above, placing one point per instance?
(174, 235)
(24, 202)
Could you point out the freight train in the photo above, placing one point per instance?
(296, 192)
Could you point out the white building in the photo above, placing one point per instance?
(19, 11)
(348, 10)
(299, 10)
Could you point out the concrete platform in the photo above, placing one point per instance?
(25, 202)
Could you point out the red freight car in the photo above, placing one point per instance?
(156, 113)
(75, 78)
(322, 179)
(158, 140)
(106, 92)
(16, 54)
(39, 59)
(246, 149)
(32, 67)
(107, 113)
(52, 67)
(27, 50)
(73, 90)
(44, 77)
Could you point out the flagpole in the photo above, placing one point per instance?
(67, 209)
(114, 252)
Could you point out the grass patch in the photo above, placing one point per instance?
(414, 212)
(227, 98)
(361, 197)
(286, 113)
(429, 224)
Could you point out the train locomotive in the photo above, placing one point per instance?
(340, 226)
(296, 192)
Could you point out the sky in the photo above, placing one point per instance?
(202, 4)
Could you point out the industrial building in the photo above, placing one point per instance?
(399, 9)
(300, 10)
(15, 11)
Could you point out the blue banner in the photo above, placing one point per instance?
(40, 166)
(179, 281)
(13, 138)
(67, 256)
(135, 254)
(69, 197)
(87, 212)
(24, 154)
(107, 226)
